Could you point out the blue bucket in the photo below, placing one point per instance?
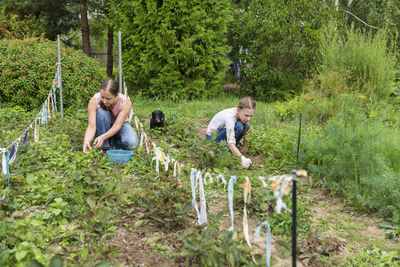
(119, 156)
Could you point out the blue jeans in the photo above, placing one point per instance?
(125, 138)
(239, 132)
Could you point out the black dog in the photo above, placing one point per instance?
(157, 119)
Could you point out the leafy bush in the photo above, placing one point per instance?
(174, 49)
(363, 57)
(359, 157)
(28, 68)
(14, 26)
(276, 43)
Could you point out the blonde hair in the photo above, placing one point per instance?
(247, 102)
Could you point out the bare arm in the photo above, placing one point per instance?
(235, 150)
(91, 129)
(117, 124)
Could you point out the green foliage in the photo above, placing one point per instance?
(28, 68)
(212, 247)
(278, 145)
(174, 49)
(13, 26)
(359, 157)
(363, 58)
(277, 42)
(373, 257)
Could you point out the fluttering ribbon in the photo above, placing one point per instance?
(58, 76)
(267, 240)
(52, 104)
(209, 176)
(157, 159)
(167, 161)
(44, 113)
(177, 172)
(232, 180)
(193, 186)
(26, 137)
(36, 132)
(281, 186)
(221, 177)
(13, 152)
(147, 145)
(203, 205)
(54, 93)
(4, 165)
(246, 193)
(48, 107)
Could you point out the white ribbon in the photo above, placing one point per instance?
(221, 177)
(210, 178)
(232, 180)
(203, 205)
(3, 161)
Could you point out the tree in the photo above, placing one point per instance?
(85, 28)
(55, 16)
(173, 48)
(277, 44)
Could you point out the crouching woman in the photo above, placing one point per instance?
(232, 125)
(108, 112)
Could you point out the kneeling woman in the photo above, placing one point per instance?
(232, 124)
(108, 113)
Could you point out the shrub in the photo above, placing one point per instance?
(363, 57)
(28, 68)
(14, 26)
(276, 43)
(359, 157)
(174, 49)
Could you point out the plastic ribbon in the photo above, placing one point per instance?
(267, 240)
(36, 133)
(52, 104)
(192, 182)
(48, 107)
(3, 161)
(177, 172)
(147, 145)
(246, 193)
(167, 161)
(44, 113)
(281, 186)
(26, 137)
(141, 137)
(157, 159)
(203, 205)
(210, 178)
(13, 152)
(55, 99)
(262, 179)
(58, 76)
(232, 180)
(221, 177)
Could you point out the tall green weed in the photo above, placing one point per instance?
(364, 58)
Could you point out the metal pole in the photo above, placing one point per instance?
(120, 61)
(60, 77)
(294, 201)
(294, 222)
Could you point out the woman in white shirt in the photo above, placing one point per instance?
(232, 124)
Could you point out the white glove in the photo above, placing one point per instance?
(245, 161)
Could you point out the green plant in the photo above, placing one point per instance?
(29, 66)
(183, 53)
(212, 247)
(362, 56)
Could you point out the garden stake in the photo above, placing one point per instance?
(294, 203)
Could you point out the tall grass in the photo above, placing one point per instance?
(363, 56)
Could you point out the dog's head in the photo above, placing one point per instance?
(158, 116)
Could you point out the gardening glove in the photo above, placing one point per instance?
(246, 162)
